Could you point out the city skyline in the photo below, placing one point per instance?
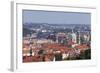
(56, 36)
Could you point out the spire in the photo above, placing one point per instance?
(72, 30)
(79, 37)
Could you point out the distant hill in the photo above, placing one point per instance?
(29, 28)
(27, 31)
(57, 26)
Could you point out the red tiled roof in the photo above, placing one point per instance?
(82, 47)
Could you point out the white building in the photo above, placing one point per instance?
(40, 41)
(74, 38)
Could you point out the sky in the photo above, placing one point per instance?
(53, 17)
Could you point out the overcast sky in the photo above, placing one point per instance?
(33, 16)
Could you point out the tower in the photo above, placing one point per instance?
(74, 37)
(79, 42)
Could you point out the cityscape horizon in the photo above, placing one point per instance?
(45, 40)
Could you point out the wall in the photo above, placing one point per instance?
(5, 36)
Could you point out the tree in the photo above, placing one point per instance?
(86, 54)
(58, 57)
